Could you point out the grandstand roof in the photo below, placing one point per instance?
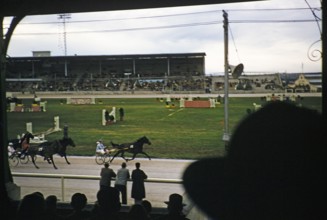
(151, 65)
(115, 57)
(38, 7)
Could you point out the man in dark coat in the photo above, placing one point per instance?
(138, 189)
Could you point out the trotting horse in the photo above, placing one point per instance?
(48, 149)
(134, 148)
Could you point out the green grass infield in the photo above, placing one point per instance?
(181, 133)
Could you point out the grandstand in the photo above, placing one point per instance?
(175, 72)
(106, 72)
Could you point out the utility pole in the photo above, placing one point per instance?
(226, 135)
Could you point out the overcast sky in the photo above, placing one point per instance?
(267, 36)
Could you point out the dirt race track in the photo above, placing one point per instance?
(157, 193)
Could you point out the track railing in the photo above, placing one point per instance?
(64, 177)
(190, 210)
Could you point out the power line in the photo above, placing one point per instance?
(230, 30)
(315, 16)
(273, 21)
(165, 26)
(171, 15)
(129, 29)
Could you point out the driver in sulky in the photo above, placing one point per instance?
(101, 148)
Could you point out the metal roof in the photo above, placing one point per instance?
(110, 57)
(39, 7)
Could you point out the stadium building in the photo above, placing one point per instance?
(175, 72)
(45, 72)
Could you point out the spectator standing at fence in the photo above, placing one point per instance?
(121, 114)
(121, 182)
(106, 175)
(138, 188)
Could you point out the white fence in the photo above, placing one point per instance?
(191, 211)
(64, 177)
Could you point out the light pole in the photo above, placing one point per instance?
(64, 17)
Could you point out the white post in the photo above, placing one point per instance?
(42, 105)
(182, 103)
(12, 106)
(56, 123)
(113, 113)
(29, 127)
(168, 99)
(212, 103)
(103, 117)
(268, 98)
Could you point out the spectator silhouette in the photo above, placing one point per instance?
(275, 168)
(121, 182)
(78, 203)
(107, 205)
(137, 212)
(32, 206)
(148, 208)
(51, 208)
(106, 175)
(138, 188)
(175, 207)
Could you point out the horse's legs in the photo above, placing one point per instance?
(146, 155)
(113, 157)
(54, 165)
(33, 160)
(66, 159)
(133, 157)
(47, 159)
(123, 156)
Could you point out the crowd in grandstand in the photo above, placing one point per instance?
(78, 79)
(176, 84)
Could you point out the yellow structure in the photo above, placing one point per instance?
(302, 85)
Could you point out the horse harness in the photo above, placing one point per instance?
(25, 145)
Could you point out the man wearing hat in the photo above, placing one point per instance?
(175, 207)
(275, 168)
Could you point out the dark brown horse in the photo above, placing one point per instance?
(134, 148)
(48, 149)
